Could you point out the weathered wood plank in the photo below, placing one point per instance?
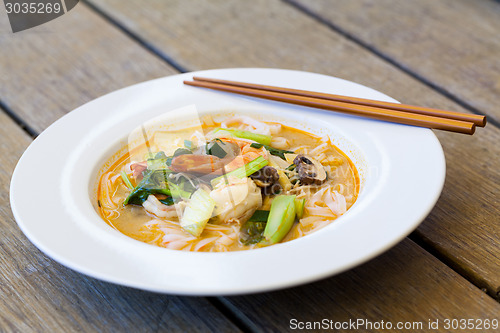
(453, 44)
(463, 226)
(40, 295)
(404, 285)
(52, 69)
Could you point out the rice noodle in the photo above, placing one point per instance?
(182, 174)
(319, 149)
(171, 236)
(198, 138)
(321, 158)
(108, 190)
(252, 125)
(334, 201)
(299, 149)
(340, 188)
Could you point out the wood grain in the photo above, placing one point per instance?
(464, 225)
(52, 69)
(39, 295)
(405, 284)
(453, 44)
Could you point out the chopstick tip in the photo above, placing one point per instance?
(484, 121)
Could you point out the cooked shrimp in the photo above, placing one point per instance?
(237, 200)
(240, 161)
(247, 152)
(240, 142)
(138, 168)
(280, 142)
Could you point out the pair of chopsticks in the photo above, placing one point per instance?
(393, 112)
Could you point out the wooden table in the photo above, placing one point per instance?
(443, 54)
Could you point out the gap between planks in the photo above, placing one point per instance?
(135, 37)
(358, 41)
(19, 121)
(477, 282)
(234, 316)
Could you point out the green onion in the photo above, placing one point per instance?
(251, 232)
(259, 216)
(244, 171)
(261, 138)
(126, 180)
(188, 144)
(273, 151)
(281, 218)
(299, 207)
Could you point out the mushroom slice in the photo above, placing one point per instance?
(310, 171)
(265, 177)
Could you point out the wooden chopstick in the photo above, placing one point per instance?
(378, 113)
(478, 120)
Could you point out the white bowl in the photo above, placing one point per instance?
(402, 171)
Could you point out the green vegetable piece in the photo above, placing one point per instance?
(167, 160)
(160, 155)
(178, 191)
(157, 161)
(197, 212)
(299, 207)
(154, 182)
(259, 216)
(261, 138)
(214, 148)
(251, 232)
(281, 218)
(169, 201)
(126, 180)
(273, 151)
(244, 171)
